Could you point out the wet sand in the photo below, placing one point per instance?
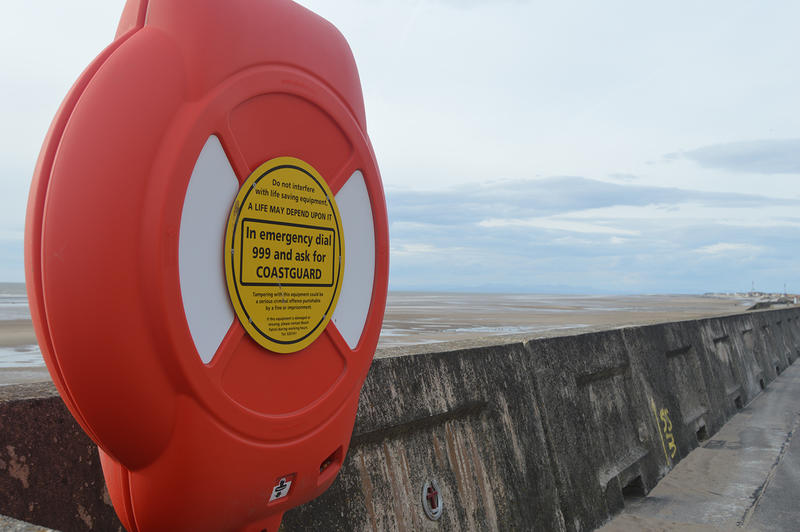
(430, 318)
(418, 322)
(14, 334)
(27, 375)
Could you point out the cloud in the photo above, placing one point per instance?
(728, 248)
(413, 249)
(523, 199)
(623, 177)
(572, 234)
(557, 225)
(780, 156)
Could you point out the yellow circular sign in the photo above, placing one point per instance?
(284, 254)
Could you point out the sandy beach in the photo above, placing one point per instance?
(417, 322)
(423, 319)
(16, 332)
(18, 335)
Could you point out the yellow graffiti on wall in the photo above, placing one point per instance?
(665, 431)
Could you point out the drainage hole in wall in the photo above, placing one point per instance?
(738, 402)
(634, 489)
(761, 383)
(702, 434)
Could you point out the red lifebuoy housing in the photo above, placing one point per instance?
(207, 260)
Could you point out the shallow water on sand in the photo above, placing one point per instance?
(22, 356)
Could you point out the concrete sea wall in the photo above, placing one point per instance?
(541, 434)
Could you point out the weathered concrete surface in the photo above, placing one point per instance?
(450, 418)
(12, 525)
(545, 434)
(49, 469)
(747, 476)
(776, 507)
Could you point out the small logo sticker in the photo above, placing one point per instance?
(281, 488)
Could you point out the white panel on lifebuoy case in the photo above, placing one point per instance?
(211, 190)
(359, 268)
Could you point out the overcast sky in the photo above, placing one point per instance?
(623, 147)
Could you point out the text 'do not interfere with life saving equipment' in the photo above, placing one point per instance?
(284, 255)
